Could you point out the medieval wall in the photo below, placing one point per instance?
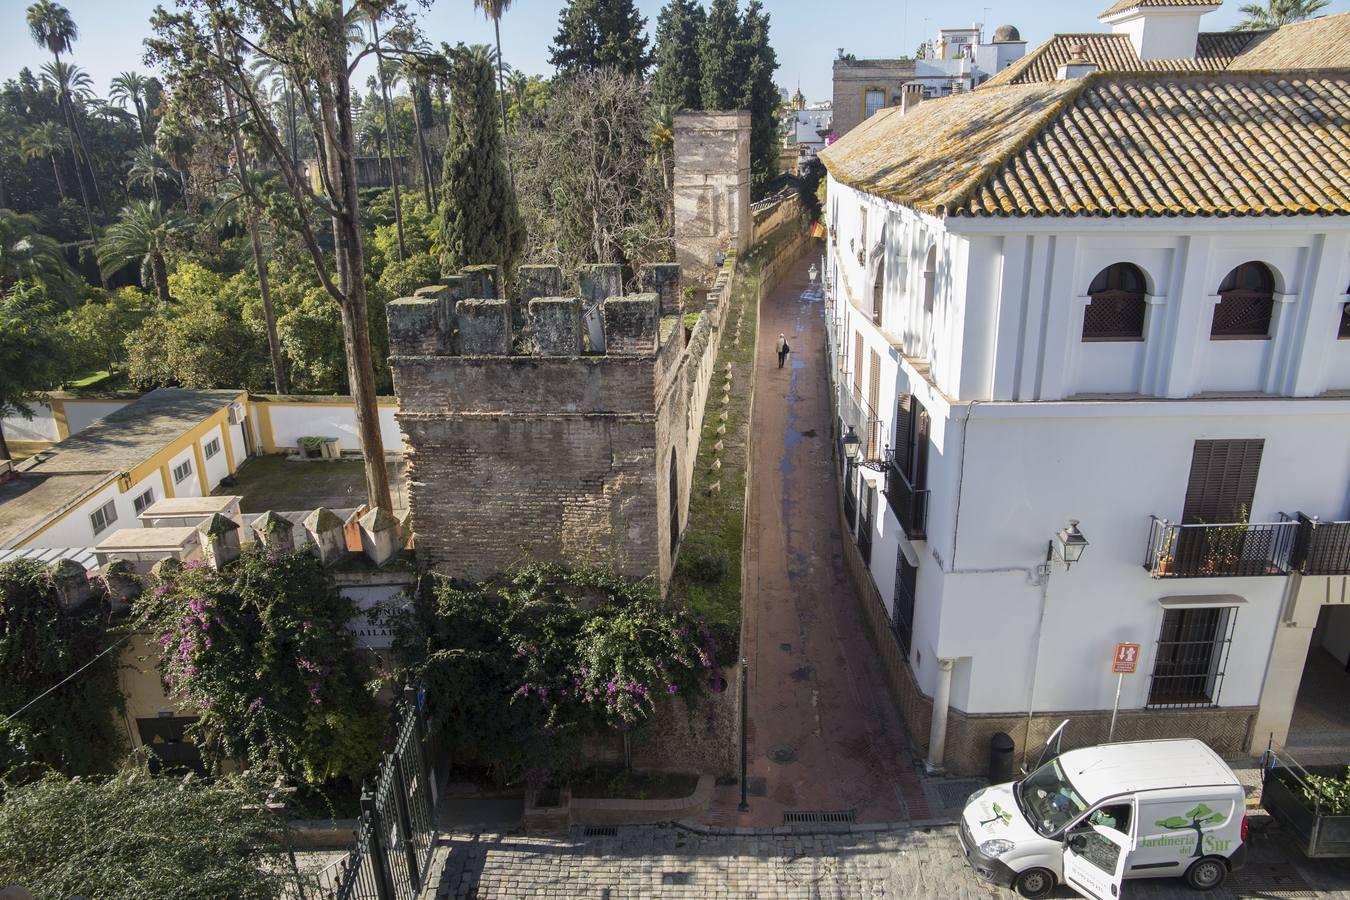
(712, 190)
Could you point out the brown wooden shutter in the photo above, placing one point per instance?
(903, 433)
(1223, 480)
(921, 431)
(857, 364)
(873, 398)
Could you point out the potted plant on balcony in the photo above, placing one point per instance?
(1224, 545)
(1163, 564)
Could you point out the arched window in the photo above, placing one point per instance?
(929, 278)
(1246, 301)
(878, 290)
(1116, 311)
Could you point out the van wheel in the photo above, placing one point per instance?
(1206, 874)
(1034, 883)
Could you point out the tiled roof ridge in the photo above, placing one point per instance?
(1031, 132)
(1124, 6)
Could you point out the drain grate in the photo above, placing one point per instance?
(600, 831)
(836, 817)
(674, 877)
(1276, 881)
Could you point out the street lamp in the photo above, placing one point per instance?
(851, 445)
(1069, 544)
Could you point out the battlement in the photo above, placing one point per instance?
(467, 315)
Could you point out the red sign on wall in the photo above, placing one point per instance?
(1126, 659)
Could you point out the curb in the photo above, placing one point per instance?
(694, 827)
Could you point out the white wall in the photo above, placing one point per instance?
(292, 421)
(75, 530)
(217, 467)
(80, 414)
(42, 427)
(190, 486)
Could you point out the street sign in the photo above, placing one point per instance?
(1126, 659)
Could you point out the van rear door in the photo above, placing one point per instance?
(1095, 860)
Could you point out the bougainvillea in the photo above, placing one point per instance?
(262, 652)
(521, 667)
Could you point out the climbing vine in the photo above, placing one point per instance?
(262, 652)
(521, 667)
(74, 729)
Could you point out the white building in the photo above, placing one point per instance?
(1121, 299)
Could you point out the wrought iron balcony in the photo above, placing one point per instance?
(1320, 548)
(909, 504)
(1227, 549)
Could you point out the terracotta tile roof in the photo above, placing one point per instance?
(1115, 53)
(1121, 6)
(1322, 43)
(1221, 144)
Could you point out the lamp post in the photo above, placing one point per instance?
(851, 445)
(1067, 546)
(745, 695)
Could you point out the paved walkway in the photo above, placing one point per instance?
(824, 736)
(669, 862)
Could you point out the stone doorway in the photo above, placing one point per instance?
(1319, 731)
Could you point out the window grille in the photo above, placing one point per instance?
(103, 517)
(142, 503)
(869, 504)
(1114, 316)
(1247, 301)
(902, 611)
(1192, 653)
(212, 448)
(182, 472)
(850, 496)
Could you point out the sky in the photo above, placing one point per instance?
(805, 33)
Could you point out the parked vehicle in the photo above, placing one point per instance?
(1311, 803)
(1091, 817)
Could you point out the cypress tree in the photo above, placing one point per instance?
(594, 34)
(760, 95)
(678, 83)
(480, 222)
(721, 61)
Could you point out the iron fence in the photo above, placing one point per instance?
(396, 833)
(1320, 548)
(1217, 550)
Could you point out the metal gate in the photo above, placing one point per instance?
(397, 829)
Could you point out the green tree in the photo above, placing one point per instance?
(134, 88)
(311, 335)
(760, 95)
(677, 83)
(721, 61)
(494, 10)
(29, 356)
(74, 729)
(147, 170)
(135, 836)
(595, 34)
(373, 10)
(143, 232)
(28, 254)
(480, 222)
(44, 141)
(1276, 13)
(95, 334)
(261, 649)
(51, 26)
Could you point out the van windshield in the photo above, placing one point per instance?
(1048, 800)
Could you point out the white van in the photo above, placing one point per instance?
(1094, 816)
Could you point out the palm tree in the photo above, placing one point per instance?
(132, 87)
(1275, 13)
(51, 26)
(143, 231)
(45, 140)
(494, 10)
(27, 253)
(147, 170)
(373, 10)
(265, 69)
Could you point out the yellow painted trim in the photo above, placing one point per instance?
(28, 448)
(200, 460)
(59, 416)
(188, 438)
(269, 444)
(227, 440)
(167, 477)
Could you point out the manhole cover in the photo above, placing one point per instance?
(1273, 880)
(954, 793)
(782, 753)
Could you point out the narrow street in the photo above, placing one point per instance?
(824, 736)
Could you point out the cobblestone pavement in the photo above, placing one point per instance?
(672, 862)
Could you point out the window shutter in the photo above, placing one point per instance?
(873, 398)
(904, 440)
(857, 364)
(923, 423)
(1222, 480)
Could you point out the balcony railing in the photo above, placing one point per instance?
(909, 504)
(1211, 551)
(1320, 548)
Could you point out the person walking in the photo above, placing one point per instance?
(783, 350)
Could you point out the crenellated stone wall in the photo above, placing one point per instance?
(549, 426)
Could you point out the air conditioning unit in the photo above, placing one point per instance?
(236, 413)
